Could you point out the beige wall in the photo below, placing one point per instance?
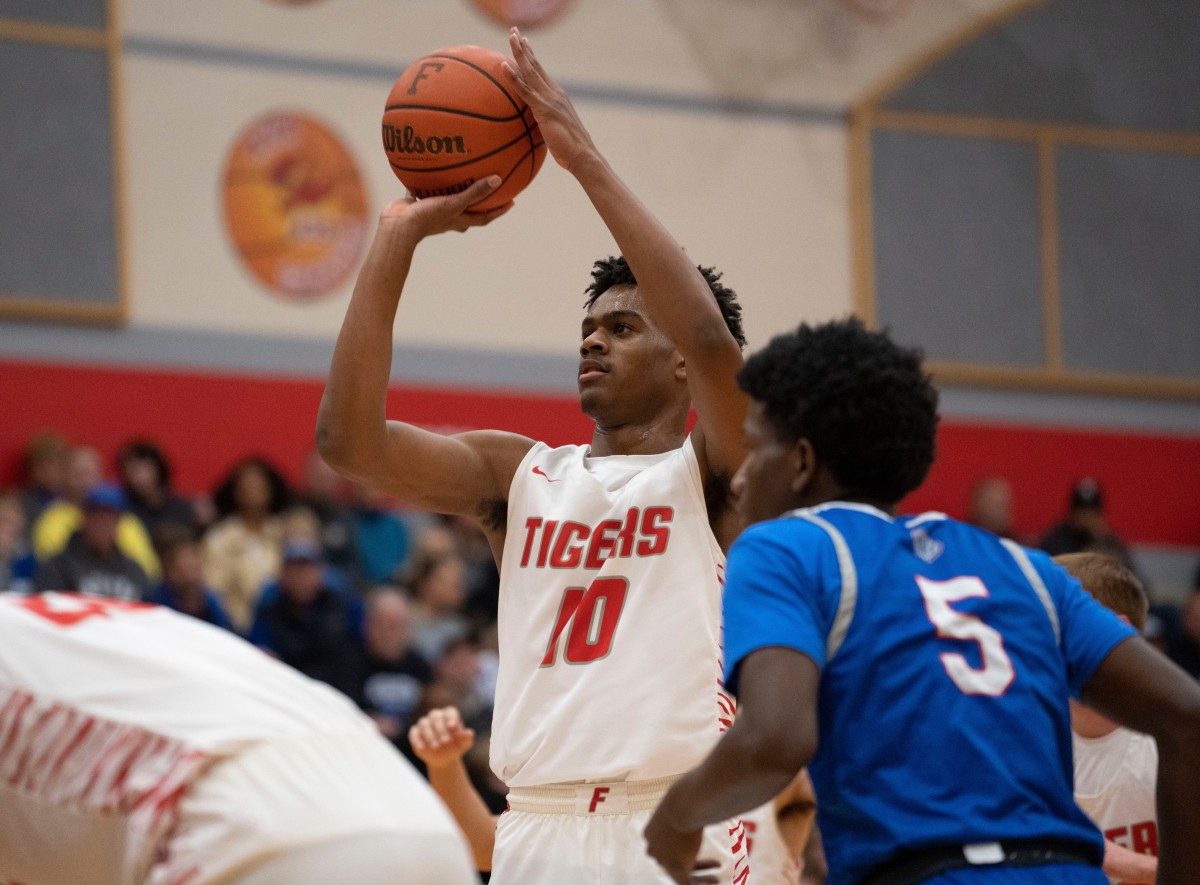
(762, 195)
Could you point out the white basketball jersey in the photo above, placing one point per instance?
(104, 723)
(1115, 779)
(770, 861)
(609, 620)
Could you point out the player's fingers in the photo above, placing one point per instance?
(533, 60)
(520, 84)
(476, 192)
(452, 717)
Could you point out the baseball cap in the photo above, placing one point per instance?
(1086, 493)
(301, 550)
(105, 495)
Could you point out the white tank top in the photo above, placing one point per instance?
(110, 710)
(1115, 780)
(609, 620)
(770, 861)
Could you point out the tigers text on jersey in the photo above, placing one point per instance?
(609, 620)
(946, 656)
(1116, 778)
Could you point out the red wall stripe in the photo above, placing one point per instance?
(206, 421)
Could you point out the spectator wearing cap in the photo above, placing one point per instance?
(92, 563)
(1084, 528)
(309, 624)
(60, 520)
(182, 587)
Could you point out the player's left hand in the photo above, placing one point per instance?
(676, 851)
(565, 135)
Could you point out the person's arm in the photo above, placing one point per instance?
(676, 294)
(773, 737)
(1136, 686)
(440, 739)
(446, 474)
(1129, 867)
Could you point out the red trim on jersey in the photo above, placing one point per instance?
(104, 767)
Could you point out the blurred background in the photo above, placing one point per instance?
(186, 191)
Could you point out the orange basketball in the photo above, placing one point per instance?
(453, 118)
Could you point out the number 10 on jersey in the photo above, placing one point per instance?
(589, 617)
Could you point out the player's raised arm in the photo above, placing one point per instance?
(676, 294)
(445, 474)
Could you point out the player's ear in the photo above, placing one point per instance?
(680, 367)
(803, 463)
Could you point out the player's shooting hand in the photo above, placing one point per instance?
(565, 135)
(676, 851)
(435, 215)
(440, 738)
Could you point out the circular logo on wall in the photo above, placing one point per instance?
(295, 206)
(522, 13)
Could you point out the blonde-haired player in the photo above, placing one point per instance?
(139, 746)
(1116, 769)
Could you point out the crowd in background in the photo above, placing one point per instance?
(395, 608)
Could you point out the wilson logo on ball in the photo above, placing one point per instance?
(452, 118)
(404, 140)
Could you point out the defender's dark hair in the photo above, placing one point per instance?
(865, 403)
(609, 272)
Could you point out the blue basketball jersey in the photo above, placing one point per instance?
(947, 656)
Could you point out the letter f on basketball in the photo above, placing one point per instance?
(421, 75)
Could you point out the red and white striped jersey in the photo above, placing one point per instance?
(609, 621)
(770, 861)
(110, 710)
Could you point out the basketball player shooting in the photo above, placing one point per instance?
(610, 554)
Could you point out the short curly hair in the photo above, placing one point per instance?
(615, 271)
(866, 404)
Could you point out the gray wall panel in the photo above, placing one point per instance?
(57, 236)
(957, 255)
(1125, 63)
(1129, 229)
(79, 13)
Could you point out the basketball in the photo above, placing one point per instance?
(452, 119)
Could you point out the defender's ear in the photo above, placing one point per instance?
(803, 463)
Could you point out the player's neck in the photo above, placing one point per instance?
(637, 439)
(1087, 723)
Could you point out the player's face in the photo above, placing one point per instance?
(763, 485)
(628, 370)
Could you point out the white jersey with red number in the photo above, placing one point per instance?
(609, 621)
(110, 711)
(770, 861)
(1115, 780)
